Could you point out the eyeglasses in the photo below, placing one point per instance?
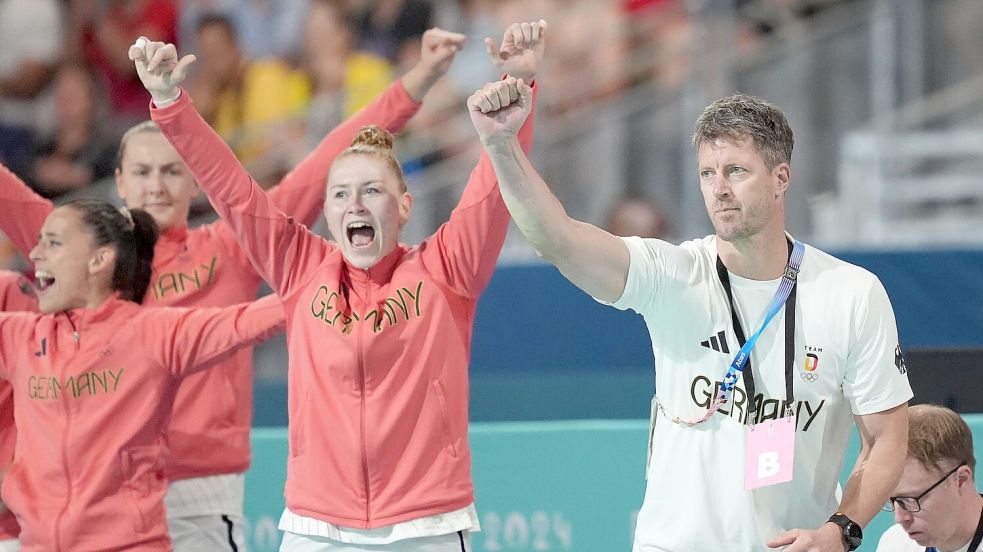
(912, 504)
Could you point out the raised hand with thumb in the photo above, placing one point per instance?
(159, 68)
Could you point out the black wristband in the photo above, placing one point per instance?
(852, 533)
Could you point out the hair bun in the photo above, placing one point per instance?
(373, 136)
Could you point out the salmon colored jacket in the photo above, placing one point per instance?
(16, 294)
(93, 393)
(378, 386)
(205, 267)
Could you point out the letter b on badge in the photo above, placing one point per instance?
(768, 464)
(770, 452)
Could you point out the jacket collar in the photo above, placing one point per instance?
(87, 317)
(379, 273)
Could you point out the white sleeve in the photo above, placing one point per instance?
(642, 265)
(652, 266)
(876, 378)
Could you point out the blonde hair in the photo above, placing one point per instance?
(145, 127)
(937, 436)
(376, 141)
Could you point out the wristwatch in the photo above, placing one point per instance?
(853, 535)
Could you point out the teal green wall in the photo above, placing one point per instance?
(563, 486)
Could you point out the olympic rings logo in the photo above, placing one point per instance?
(809, 376)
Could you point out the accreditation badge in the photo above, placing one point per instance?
(770, 451)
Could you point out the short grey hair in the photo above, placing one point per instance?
(743, 117)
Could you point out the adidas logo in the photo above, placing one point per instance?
(717, 343)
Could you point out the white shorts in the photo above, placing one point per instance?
(211, 533)
(454, 542)
(11, 545)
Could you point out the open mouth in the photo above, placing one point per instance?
(156, 206)
(43, 280)
(360, 234)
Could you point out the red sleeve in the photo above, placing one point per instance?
(22, 212)
(464, 250)
(15, 330)
(197, 338)
(16, 293)
(281, 250)
(301, 193)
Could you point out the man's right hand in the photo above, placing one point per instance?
(159, 68)
(499, 108)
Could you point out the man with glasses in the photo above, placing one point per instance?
(936, 504)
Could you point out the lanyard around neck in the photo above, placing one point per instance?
(784, 296)
(977, 538)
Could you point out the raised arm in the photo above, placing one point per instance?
(22, 212)
(301, 193)
(594, 260)
(16, 329)
(465, 249)
(191, 340)
(280, 249)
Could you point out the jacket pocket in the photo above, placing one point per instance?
(438, 392)
(298, 437)
(229, 399)
(144, 485)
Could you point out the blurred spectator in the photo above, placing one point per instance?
(30, 43)
(191, 14)
(641, 6)
(392, 29)
(766, 16)
(477, 20)
(270, 27)
(637, 216)
(254, 105)
(603, 56)
(81, 150)
(103, 30)
(266, 28)
(343, 79)
(656, 43)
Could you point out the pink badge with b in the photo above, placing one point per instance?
(770, 451)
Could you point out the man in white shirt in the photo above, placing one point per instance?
(936, 503)
(831, 361)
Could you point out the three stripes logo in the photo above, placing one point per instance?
(44, 348)
(717, 343)
(899, 361)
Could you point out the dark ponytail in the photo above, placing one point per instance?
(134, 234)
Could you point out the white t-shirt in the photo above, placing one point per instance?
(210, 495)
(464, 519)
(847, 362)
(896, 540)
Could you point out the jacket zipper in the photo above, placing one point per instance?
(362, 391)
(64, 445)
(361, 414)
